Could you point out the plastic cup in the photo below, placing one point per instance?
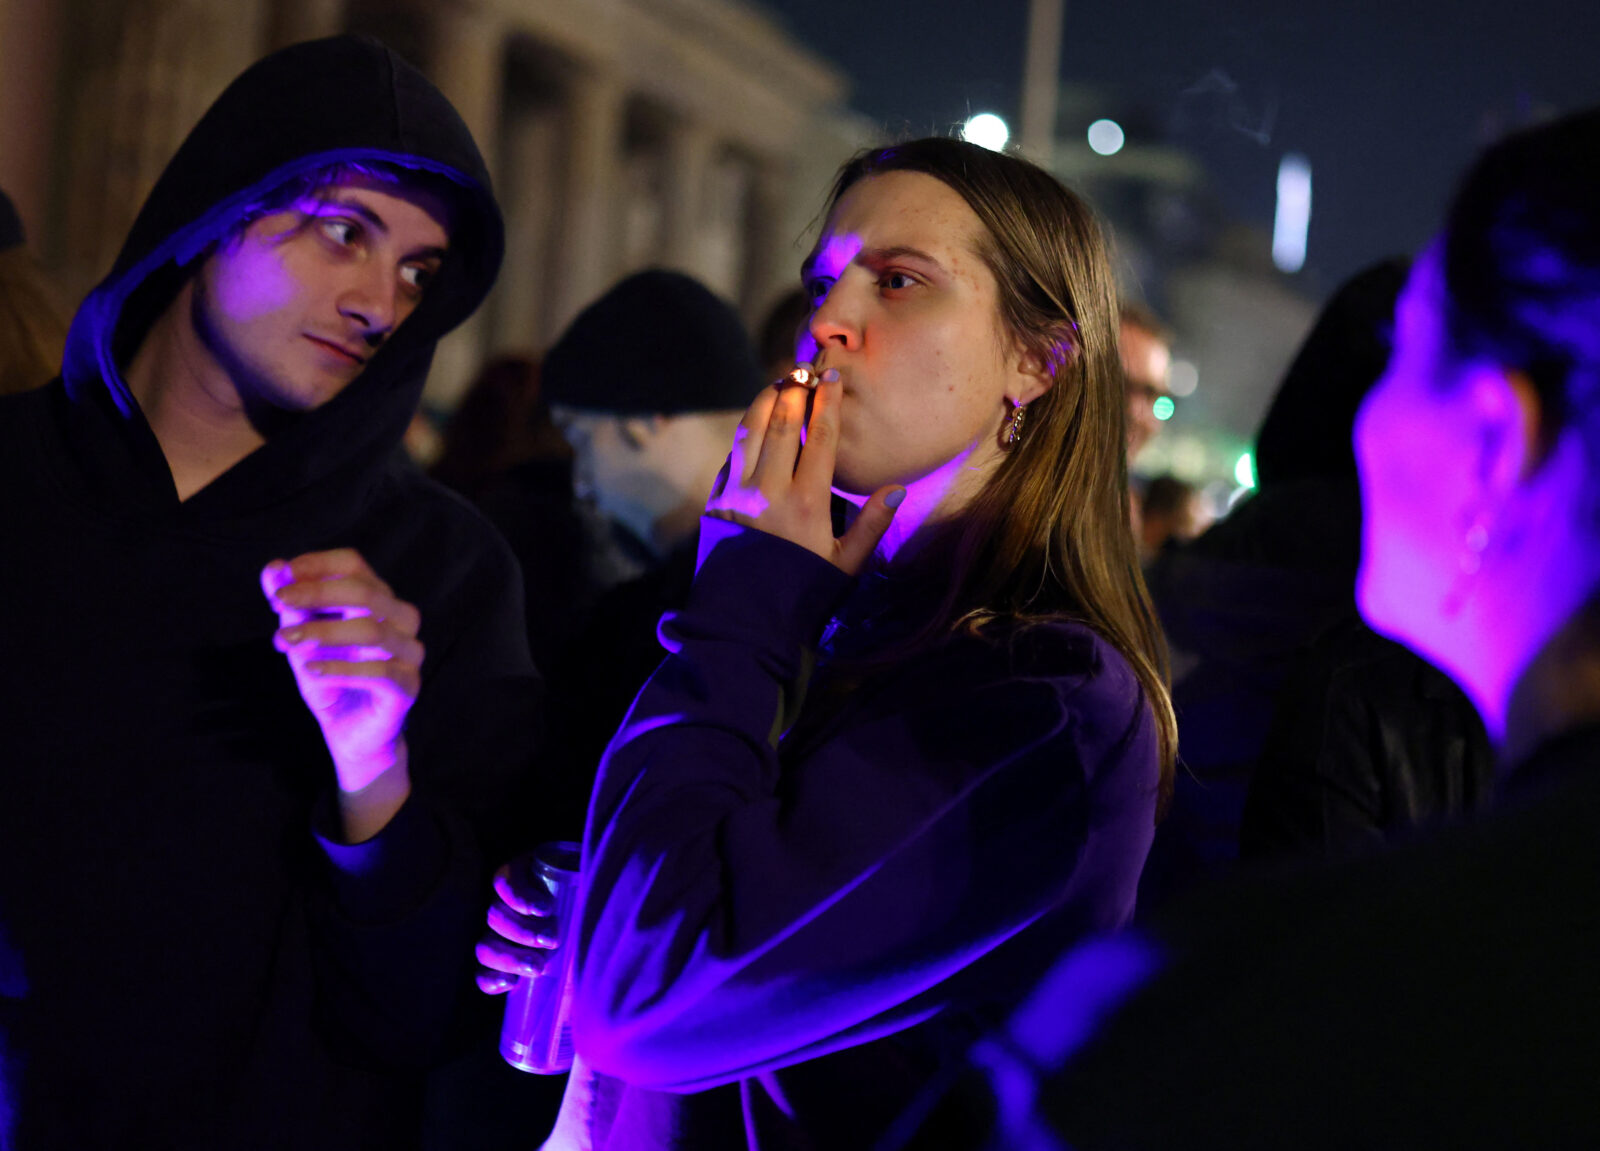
(536, 1035)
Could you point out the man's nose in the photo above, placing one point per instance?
(371, 301)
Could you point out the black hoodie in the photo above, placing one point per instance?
(191, 964)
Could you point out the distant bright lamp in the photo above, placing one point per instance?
(1245, 471)
(1163, 408)
(1183, 379)
(987, 131)
(1293, 218)
(1106, 137)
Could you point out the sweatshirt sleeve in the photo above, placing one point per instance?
(395, 917)
(744, 912)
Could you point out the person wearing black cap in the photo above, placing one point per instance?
(649, 384)
(243, 887)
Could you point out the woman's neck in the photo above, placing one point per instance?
(931, 502)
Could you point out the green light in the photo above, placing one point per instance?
(1164, 407)
(1245, 471)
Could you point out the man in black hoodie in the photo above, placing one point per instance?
(242, 921)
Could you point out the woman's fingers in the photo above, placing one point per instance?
(747, 438)
(814, 472)
(499, 954)
(780, 446)
(855, 547)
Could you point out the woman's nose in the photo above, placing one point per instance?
(833, 322)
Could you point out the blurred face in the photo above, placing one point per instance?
(1415, 441)
(908, 312)
(1146, 364)
(293, 307)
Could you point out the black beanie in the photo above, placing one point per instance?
(10, 224)
(658, 342)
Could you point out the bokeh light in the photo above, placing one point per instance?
(1245, 471)
(987, 131)
(1163, 407)
(1183, 378)
(1106, 137)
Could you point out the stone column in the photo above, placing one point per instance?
(689, 149)
(468, 65)
(586, 252)
(772, 259)
(529, 192)
(30, 54)
(292, 21)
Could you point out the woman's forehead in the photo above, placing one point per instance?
(899, 210)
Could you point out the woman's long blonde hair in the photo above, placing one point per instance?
(1049, 535)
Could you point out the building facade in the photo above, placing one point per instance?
(622, 134)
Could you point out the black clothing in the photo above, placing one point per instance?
(1440, 995)
(1369, 741)
(1238, 606)
(201, 970)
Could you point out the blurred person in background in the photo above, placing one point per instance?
(32, 332)
(266, 700)
(1438, 994)
(1145, 347)
(780, 331)
(503, 451)
(880, 777)
(1171, 510)
(648, 384)
(1242, 602)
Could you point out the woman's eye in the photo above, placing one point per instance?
(896, 280)
(818, 288)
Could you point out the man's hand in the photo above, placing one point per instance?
(357, 660)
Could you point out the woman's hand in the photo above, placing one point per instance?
(522, 928)
(773, 483)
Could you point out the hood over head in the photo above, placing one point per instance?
(343, 100)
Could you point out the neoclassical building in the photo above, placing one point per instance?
(622, 134)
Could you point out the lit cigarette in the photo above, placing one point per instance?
(805, 377)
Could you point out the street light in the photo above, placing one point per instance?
(987, 131)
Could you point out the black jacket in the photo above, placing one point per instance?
(194, 968)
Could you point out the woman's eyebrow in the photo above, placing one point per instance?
(897, 252)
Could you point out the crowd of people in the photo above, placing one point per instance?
(938, 786)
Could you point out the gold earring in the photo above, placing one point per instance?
(1013, 431)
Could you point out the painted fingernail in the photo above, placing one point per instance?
(895, 498)
(830, 375)
(293, 635)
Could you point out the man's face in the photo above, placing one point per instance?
(1146, 364)
(294, 306)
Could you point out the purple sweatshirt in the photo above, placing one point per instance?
(784, 937)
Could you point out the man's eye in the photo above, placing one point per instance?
(341, 232)
(416, 276)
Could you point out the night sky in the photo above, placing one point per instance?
(1389, 99)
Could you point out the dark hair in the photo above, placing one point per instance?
(1521, 261)
(1049, 535)
(316, 182)
(1141, 316)
(782, 325)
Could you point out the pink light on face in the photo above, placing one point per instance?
(830, 260)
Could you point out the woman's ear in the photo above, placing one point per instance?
(1514, 431)
(1031, 378)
